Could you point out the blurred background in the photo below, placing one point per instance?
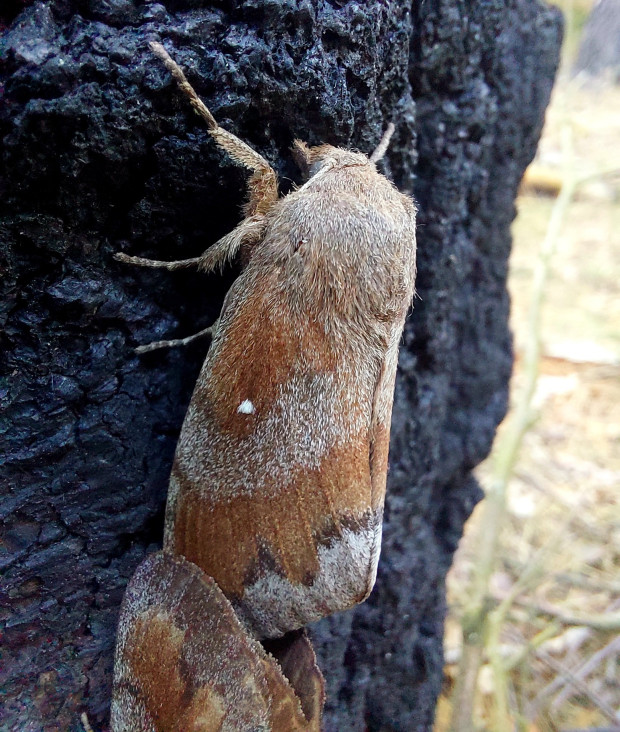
(533, 628)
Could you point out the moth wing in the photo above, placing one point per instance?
(267, 460)
(381, 421)
(295, 656)
(184, 662)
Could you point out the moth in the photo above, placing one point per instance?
(279, 477)
(184, 663)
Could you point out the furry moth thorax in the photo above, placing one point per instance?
(279, 476)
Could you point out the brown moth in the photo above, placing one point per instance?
(184, 663)
(279, 476)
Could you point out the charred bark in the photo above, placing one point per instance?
(99, 154)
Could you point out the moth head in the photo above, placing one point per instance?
(313, 159)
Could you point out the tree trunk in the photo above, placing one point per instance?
(100, 153)
(599, 51)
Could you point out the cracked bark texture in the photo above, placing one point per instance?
(99, 154)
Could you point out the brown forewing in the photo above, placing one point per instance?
(231, 533)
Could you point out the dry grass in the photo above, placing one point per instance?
(562, 536)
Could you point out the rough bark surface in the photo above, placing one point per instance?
(99, 154)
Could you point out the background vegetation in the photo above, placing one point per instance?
(532, 637)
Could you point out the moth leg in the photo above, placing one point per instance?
(155, 345)
(248, 232)
(157, 263)
(263, 184)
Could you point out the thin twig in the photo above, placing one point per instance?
(587, 668)
(531, 645)
(597, 621)
(85, 722)
(590, 583)
(579, 685)
(581, 672)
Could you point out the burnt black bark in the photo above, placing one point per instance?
(100, 154)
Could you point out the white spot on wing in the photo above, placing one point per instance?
(246, 407)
